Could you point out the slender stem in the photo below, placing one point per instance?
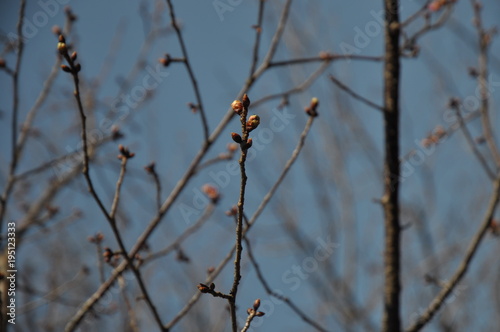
(448, 288)
(190, 71)
(354, 94)
(15, 107)
(239, 225)
(258, 34)
(74, 69)
(167, 204)
(484, 42)
(285, 299)
(471, 142)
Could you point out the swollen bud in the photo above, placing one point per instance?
(74, 55)
(66, 68)
(237, 106)
(236, 137)
(253, 122)
(311, 109)
(61, 47)
(256, 304)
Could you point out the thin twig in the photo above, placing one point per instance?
(326, 58)
(167, 204)
(471, 142)
(184, 235)
(190, 71)
(297, 89)
(484, 40)
(15, 107)
(354, 94)
(74, 69)
(258, 34)
(252, 220)
(241, 202)
(441, 297)
(285, 299)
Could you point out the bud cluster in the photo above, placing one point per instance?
(63, 49)
(240, 107)
(124, 152)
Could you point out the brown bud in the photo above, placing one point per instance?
(259, 314)
(237, 106)
(311, 109)
(74, 55)
(253, 122)
(256, 304)
(62, 39)
(232, 212)
(212, 286)
(231, 147)
(2, 63)
(166, 60)
(78, 67)
(454, 103)
(250, 311)
(236, 137)
(150, 168)
(56, 30)
(245, 100)
(247, 145)
(203, 288)
(211, 192)
(66, 68)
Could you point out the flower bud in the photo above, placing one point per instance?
(56, 30)
(246, 101)
(74, 55)
(247, 145)
(66, 68)
(311, 109)
(203, 288)
(250, 311)
(211, 192)
(314, 103)
(236, 137)
(237, 106)
(62, 39)
(259, 314)
(61, 47)
(256, 304)
(253, 122)
(78, 67)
